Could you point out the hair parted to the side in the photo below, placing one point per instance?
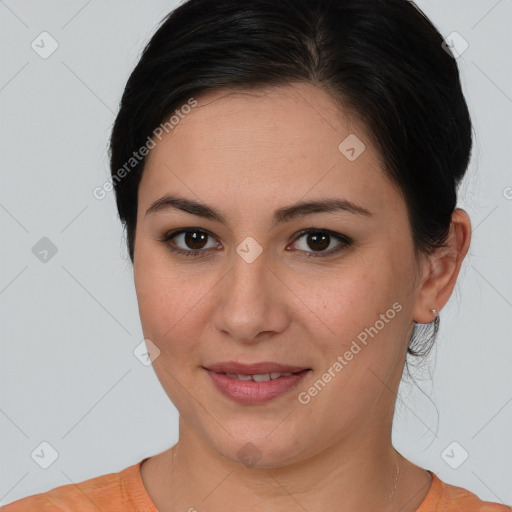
(382, 60)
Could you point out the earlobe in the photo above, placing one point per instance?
(444, 266)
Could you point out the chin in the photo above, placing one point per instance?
(256, 450)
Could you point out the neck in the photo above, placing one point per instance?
(199, 478)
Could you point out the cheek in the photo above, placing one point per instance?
(172, 301)
(351, 298)
(158, 294)
(165, 303)
(333, 305)
(363, 320)
(168, 319)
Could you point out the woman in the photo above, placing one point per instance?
(287, 175)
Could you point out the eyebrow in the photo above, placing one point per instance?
(281, 215)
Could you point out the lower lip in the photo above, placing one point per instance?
(251, 392)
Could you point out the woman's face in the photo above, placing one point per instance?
(258, 290)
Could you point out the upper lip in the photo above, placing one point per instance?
(253, 368)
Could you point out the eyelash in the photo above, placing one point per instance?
(201, 253)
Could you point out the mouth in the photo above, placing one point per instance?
(261, 368)
(255, 383)
(260, 377)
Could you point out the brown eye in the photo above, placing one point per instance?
(190, 242)
(195, 239)
(317, 241)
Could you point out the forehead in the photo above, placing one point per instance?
(246, 118)
(252, 145)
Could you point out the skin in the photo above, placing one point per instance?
(247, 154)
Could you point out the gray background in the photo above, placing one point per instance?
(69, 325)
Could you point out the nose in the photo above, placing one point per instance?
(251, 302)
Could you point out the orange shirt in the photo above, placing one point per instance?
(125, 492)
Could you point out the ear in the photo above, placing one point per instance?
(442, 269)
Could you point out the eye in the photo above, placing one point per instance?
(321, 239)
(194, 242)
(189, 242)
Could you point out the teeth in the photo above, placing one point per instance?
(262, 377)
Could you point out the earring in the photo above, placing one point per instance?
(436, 314)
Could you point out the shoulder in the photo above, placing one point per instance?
(450, 498)
(106, 492)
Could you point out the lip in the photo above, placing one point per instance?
(251, 392)
(253, 368)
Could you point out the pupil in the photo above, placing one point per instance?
(195, 239)
(320, 241)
